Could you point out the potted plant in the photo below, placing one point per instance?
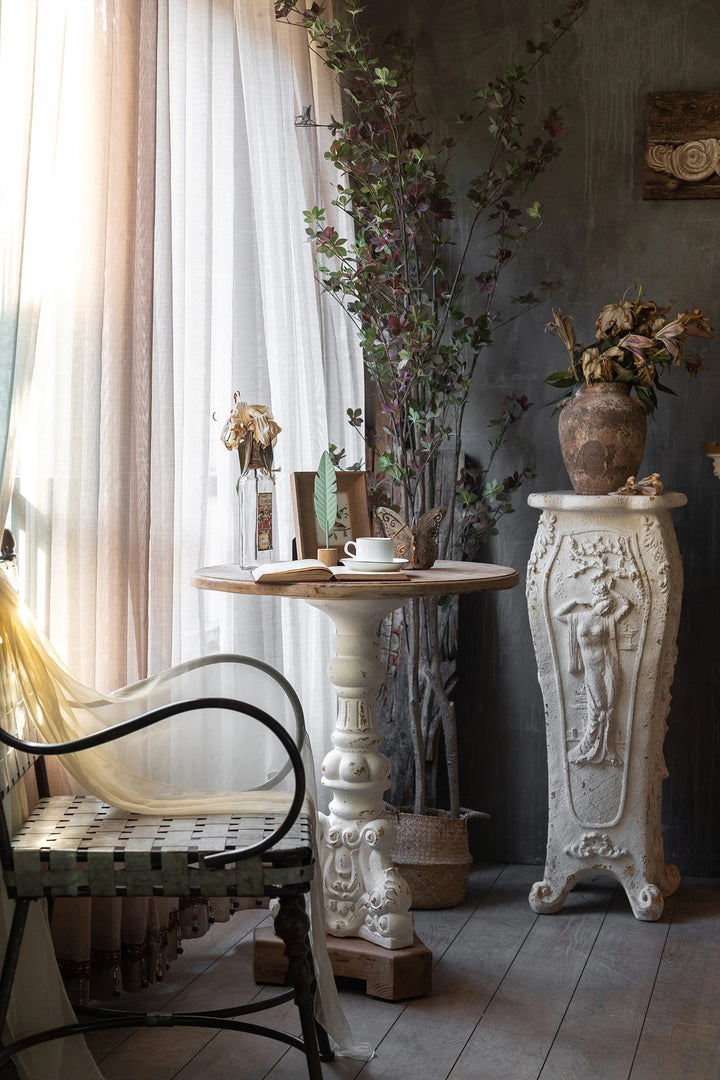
(602, 427)
(422, 290)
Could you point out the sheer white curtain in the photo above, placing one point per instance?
(171, 269)
(38, 1001)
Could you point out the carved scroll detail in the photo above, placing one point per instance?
(544, 541)
(691, 161)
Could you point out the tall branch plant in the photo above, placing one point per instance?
(421, 287)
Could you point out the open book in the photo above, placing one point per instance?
(314, 570)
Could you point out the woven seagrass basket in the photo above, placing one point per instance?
(433, 855)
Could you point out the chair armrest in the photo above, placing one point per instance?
(154, 716)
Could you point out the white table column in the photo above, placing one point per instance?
(604, 585)
(365, 896)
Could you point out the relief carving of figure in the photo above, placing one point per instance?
(594, 653)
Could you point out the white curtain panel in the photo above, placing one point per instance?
(175, 270)
(27, 49)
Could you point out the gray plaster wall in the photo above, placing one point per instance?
(599, 237)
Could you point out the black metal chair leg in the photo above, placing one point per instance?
(292, 926)
(12, 953)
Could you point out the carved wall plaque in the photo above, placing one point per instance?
(682, 145)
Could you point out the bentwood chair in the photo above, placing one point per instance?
(80, 846)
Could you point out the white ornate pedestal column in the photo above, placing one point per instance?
(365, 896)
(604, 585)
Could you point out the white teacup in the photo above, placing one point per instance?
(371, 549)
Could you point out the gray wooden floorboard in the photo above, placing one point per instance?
(516, 1031)
(681, 1034)
(599, 1033)
(200, 964)
(587, 994)
(432, 1031)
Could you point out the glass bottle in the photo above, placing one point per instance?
(256, 496)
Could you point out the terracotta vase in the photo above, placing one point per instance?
(602, 435)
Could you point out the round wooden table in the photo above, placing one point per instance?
(365, 896)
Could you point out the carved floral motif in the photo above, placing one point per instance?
(595, 845)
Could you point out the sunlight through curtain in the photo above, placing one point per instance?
(153, 262)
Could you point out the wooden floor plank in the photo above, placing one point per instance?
(160, 1055)
(681, 1035)
(519, 1025)
(438, 928)
(258, 1055)
(431, 1031)
(601, 1028)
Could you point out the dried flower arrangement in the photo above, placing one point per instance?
(635, 341)
(252, 431)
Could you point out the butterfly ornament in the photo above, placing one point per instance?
(418, 544)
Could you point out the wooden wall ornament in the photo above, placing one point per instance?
(682, 145)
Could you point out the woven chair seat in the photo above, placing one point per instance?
(80, 846)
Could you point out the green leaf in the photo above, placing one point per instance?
(325, 496)
(647, 397)
(561, 378)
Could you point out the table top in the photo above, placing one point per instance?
(442, 579)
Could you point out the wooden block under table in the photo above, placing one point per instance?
(391, 974)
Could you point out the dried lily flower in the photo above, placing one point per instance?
(562, 325)
(613, 319)
(696, 324)
(636, 344)
(597, 366)
(671, 336)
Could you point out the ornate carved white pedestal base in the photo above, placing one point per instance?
(365, 896)
(604, 585)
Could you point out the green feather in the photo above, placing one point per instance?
(326, 496)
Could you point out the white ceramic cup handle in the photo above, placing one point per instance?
(347, 548)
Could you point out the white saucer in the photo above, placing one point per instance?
(374, 567)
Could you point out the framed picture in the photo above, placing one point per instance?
(353, 518)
